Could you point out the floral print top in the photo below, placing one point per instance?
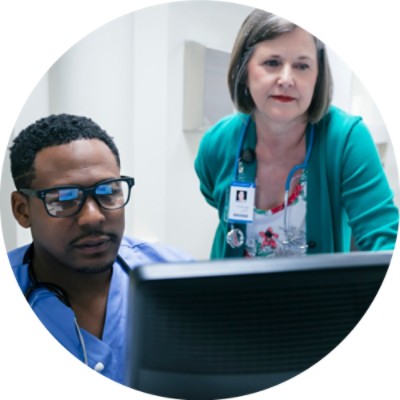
(265, 236)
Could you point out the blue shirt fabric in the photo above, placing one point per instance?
(106, 355)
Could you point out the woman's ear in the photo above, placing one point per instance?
(20, 209)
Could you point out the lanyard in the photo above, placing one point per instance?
(243, 133)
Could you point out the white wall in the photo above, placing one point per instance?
(35, 107)
(190, 221)
(128, 77)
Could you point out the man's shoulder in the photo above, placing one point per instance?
(16, 256)
(20, 270)
(137, 252)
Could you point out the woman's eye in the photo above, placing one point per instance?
(302, 66)
(272, 63)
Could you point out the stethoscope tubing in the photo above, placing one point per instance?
(33, 295)
(55, 289)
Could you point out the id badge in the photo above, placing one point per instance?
(241, 202)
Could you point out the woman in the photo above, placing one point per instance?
(310, 171)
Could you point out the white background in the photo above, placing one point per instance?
(34, 34)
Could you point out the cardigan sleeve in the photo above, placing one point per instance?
(202, 166)
(215, 159)
(366, 194)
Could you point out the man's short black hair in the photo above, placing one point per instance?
(54, 130)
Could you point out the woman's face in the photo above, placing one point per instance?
(282, 73)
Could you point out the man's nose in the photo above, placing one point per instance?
(91, 213)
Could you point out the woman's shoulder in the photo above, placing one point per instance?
(338, 118)
(338, 125)
(226, 127)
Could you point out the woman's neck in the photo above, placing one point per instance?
(280, 141)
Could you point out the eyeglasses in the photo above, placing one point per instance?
(66, 201)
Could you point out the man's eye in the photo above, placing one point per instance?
(68, 194)
(104, 190)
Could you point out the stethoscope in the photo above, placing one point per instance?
(235, 236)
(40, 290)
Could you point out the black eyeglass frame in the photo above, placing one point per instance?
(41, 194)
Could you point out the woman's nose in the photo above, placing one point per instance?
(285, 79)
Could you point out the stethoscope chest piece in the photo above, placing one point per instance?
(235, 238)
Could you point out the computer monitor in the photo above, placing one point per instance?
(221, 329)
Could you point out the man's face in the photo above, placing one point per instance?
(89, 241)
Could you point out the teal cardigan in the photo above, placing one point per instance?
(348, 194)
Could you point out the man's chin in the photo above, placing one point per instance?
(92, 261)
(94, 269)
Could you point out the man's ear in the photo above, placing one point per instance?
(20, 209)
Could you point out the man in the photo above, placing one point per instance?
(71, 195)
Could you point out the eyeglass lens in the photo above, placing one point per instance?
(64, 202)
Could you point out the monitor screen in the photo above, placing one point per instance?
(226, 328)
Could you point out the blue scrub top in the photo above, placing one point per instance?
(106, 355)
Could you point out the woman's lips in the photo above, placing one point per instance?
(283, 99)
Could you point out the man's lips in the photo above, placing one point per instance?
(283, 99)
(92, 241)
(93, 246)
